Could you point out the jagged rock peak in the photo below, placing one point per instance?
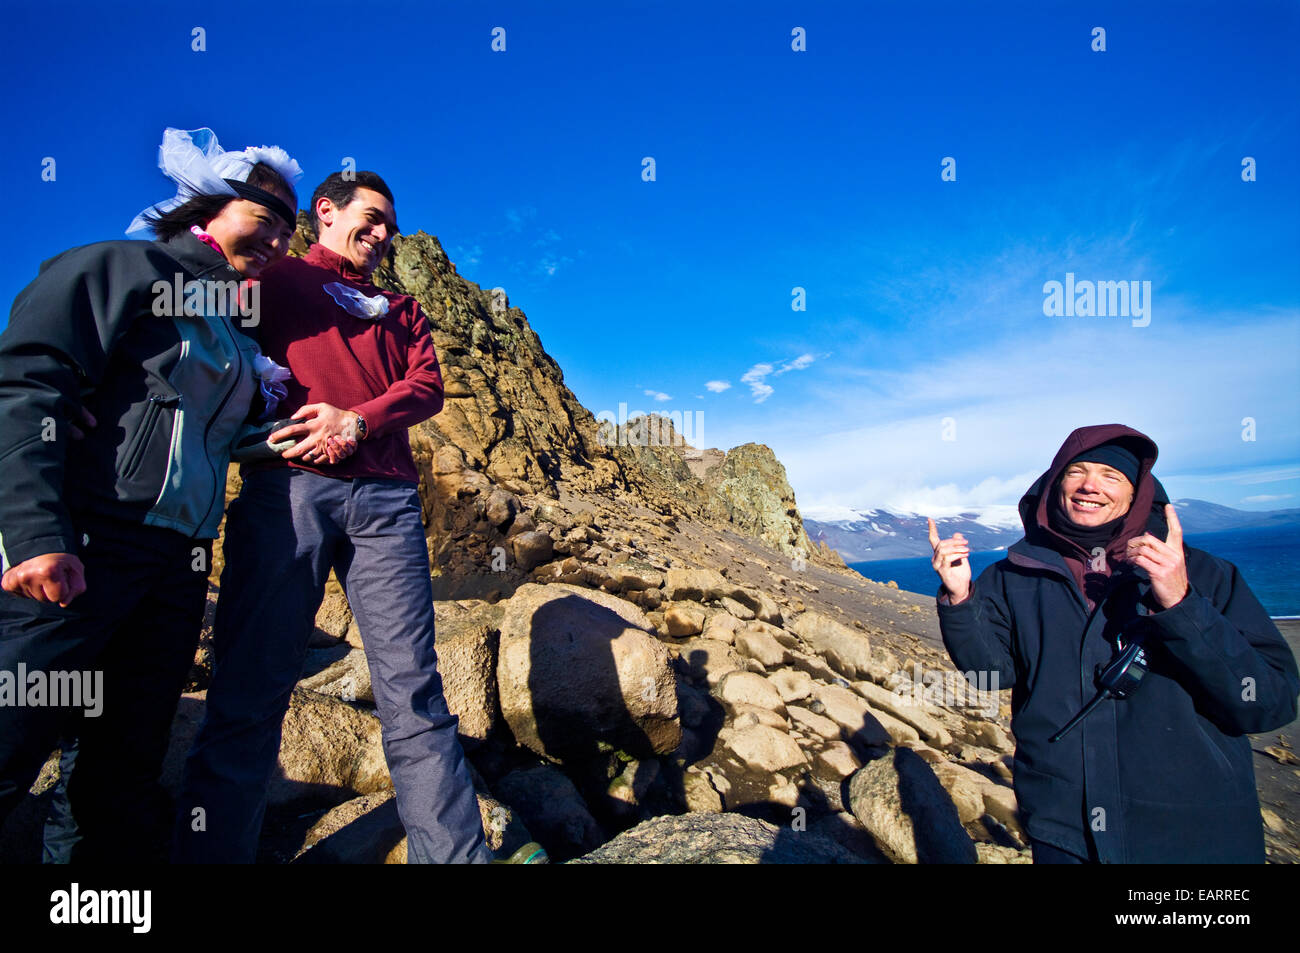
(750, 485)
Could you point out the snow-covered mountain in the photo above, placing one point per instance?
(867, 535)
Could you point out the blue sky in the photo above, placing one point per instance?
(774, 170)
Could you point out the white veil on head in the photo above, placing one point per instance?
(198, 165)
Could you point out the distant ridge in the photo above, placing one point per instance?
(869, 535)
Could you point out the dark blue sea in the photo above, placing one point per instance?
(1268, 558)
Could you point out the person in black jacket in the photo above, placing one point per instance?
(1164, 774)
(106, 540)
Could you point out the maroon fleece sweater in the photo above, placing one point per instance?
(384, 369)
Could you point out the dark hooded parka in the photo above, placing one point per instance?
(1166, 774)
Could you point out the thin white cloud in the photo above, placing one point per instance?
(798, 364)
(754, 378)
(1267, 498)
(718, 386)
(657, 395)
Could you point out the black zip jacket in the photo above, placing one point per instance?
(170, 391)
(1162, 776)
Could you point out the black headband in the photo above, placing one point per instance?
(263, 197)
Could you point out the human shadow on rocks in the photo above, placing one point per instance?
(577, 699)
(581, 714)
(702, 715)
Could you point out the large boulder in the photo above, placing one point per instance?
(577, 667)
(364, 830)
(347, 679)
(748, 688)
(906, 810)
(329, 751)
(707, 838)
(696, 585)
(709, 659)
(759, 645)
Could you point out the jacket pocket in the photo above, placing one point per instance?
(138, 450)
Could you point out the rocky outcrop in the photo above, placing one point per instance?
(750, 487)
(512, 420)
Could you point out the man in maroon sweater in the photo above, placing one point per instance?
(343, 497)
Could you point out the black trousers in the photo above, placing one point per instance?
(134, 631)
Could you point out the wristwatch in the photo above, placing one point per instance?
(362, 428)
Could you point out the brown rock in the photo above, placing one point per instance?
(709, 659)
(906, 810)
(766, 749)
(761, 646)
(531, 549)
(682, 619)
(329, 751)
(750, 689)
(577, 667)
(846, 651)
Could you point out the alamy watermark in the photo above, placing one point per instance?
(1101, 299)
(55, 689)
(976, 690)
(675, 429)
(195, 298)
(127, 907)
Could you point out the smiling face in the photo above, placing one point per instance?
(361, 231)
(1093, 493)
(252, 236)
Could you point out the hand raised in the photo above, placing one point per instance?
(1164, 561)
(952, 562)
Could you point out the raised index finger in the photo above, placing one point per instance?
(1175, 537)
(934, 533)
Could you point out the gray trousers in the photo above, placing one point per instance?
(283, 534)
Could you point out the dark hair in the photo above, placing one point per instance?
(204, 208)
(341, 191)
